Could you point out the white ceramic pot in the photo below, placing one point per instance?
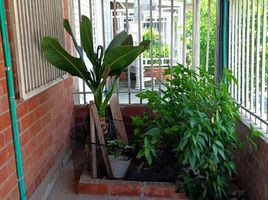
(119, 165)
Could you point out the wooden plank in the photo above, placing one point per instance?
(93, 146)
(104, 153)
(118, 119)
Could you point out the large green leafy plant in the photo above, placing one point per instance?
(196, 118)
(105, 63)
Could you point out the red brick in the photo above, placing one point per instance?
(30, 189)
(34, 130)
(8, 135)
(33, 103)
(9, 185)
(125, 188)
(11, 166)
(3, 156)
(3, 87)
(93, 188)
(3, 104)
(27, 121)
(5, 120)
(2, 140)
(182, 196)
(22, 109)
(159, 189)
(14, 195)
(2, 67)
(3, 174)
(24, 138)
(45, 119)
(42, 110)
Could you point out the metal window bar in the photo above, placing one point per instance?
(208, 35)
(247, 55)
(139, 38)
(243, 52)
(128, 69)
(160, 44)
(35, 73)
(247, 49)
(184, 36)
(252, 56)
(151, 45)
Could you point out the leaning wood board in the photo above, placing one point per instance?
(103, 148)
(93, 146)
(118, 119)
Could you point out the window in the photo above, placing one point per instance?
(248, 60)
(33, 20)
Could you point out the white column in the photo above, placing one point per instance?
(133, 30)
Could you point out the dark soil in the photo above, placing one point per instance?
(164, 169)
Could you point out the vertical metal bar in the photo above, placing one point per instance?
(257, 104)
(115, 28)
(243, 51)
(103, 24)
(44, 14)
(252, 56)
(84, 84)
(28, 46)
(230, 36)
(264, 32)
(172, 33)
(184, 34)
(128, 69)
(36, 31)
(208, 35)
(160, 43)
(236, 49)
(196, 34)
(151, 45)
(233, 44)
(139, 38)
(247, 54)
(239, 54)
(21, 37)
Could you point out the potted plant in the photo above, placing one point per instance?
(118, 157)
(119, 54)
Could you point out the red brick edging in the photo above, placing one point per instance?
(87, 185)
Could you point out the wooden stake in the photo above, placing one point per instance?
(93, 146)
(103, 148)
(118, 119)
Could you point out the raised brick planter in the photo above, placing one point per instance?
(87, 185)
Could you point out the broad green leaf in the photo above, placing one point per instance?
(68, 28)
(61, 59)
(86, 38)
(117, 40)
(119, 58)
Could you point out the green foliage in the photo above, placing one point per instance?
(145, 138)
(203, 35)
(118, 147)
(157, 50)
(119, 54)
(197, 119)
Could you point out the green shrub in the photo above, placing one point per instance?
(197, 119)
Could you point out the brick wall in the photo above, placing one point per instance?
(44, 126)
(253, 168)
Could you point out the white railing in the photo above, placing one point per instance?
(248, 58)
(168, 18)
